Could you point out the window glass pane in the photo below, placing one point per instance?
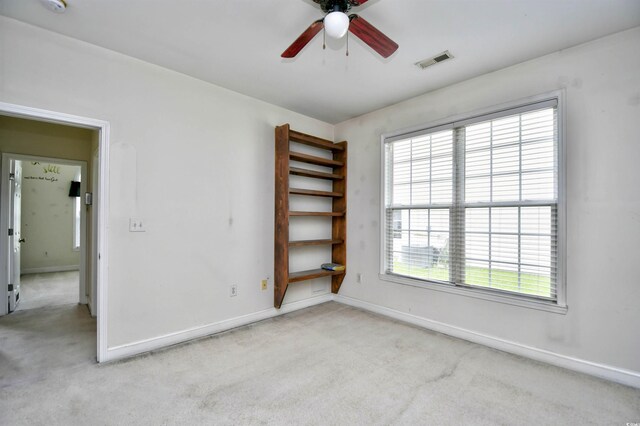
(504, 219)
(477, 189)
(536, 220)
(477, 246)
(402, 172)
(442, 143)
(439, 220)
(441, 167)
(477, 273)
(419, 193)
(478, 136)
(478, 163)
(538, 186)
(536, 250)
(76, 222)
(504, 248)
(538, 125)
(504, 276)
(536, 281)
(506, 159)
(421, 252)
(401, 194)
(506, 188)
(420, 147)
(538, 155)
(402, 151)
(477, 220)
(441, 192)
(506, 130)
(419, 219)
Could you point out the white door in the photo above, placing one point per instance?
(14, 231)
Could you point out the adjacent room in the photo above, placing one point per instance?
(319, 212)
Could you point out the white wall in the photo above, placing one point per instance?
(47, 217)
(602, 83)
(193, 160)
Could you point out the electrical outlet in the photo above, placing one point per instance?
(233, 290)
(263, 285)
(136, 225)
(359, 278)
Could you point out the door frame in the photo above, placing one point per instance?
(5, 206)
(101, 263)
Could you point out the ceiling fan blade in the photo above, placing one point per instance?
(372, 36)
(304, 38)
(358, 2)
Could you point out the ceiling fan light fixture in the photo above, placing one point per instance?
(336, 24)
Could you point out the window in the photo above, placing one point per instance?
(474, 204)
(77, 205)
(76, 223)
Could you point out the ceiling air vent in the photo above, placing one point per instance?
(434, 60)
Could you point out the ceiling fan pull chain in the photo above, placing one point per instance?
(324, 39)
(347, 43)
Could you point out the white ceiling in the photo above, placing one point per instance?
(237, 44)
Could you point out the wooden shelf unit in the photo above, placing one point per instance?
(282, 276)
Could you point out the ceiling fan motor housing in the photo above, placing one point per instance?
(337, 5)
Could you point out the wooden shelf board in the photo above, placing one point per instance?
(314, 193)
(313, 141)
(296, 213)
(301, 243)
(314, 174)
(310, 159)
(312, 274)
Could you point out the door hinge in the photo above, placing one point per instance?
(10, 232)
(12, 176)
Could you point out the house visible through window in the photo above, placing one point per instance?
(474, 203)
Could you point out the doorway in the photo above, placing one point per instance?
(45, 204)
(92, 281)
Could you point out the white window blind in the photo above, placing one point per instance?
(475, 204)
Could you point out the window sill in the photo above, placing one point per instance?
(478, 294)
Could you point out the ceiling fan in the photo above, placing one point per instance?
(336, 23)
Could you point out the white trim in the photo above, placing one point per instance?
(170, 339)
(561, 285)
(47, 269)
(103, 214)
(474, 113)
(478, 293)
(619, 375)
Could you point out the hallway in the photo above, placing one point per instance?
(48, 333)
(50, 289)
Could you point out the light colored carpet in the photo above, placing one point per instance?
(329, 364)
(50, 289)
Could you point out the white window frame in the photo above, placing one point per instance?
(560, 304)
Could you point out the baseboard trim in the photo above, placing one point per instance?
(47, 269)
(614, 374)
(136, 348)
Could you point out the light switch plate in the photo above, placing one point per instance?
(136, 225)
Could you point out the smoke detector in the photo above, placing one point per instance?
(57, 6)
(434, 60)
